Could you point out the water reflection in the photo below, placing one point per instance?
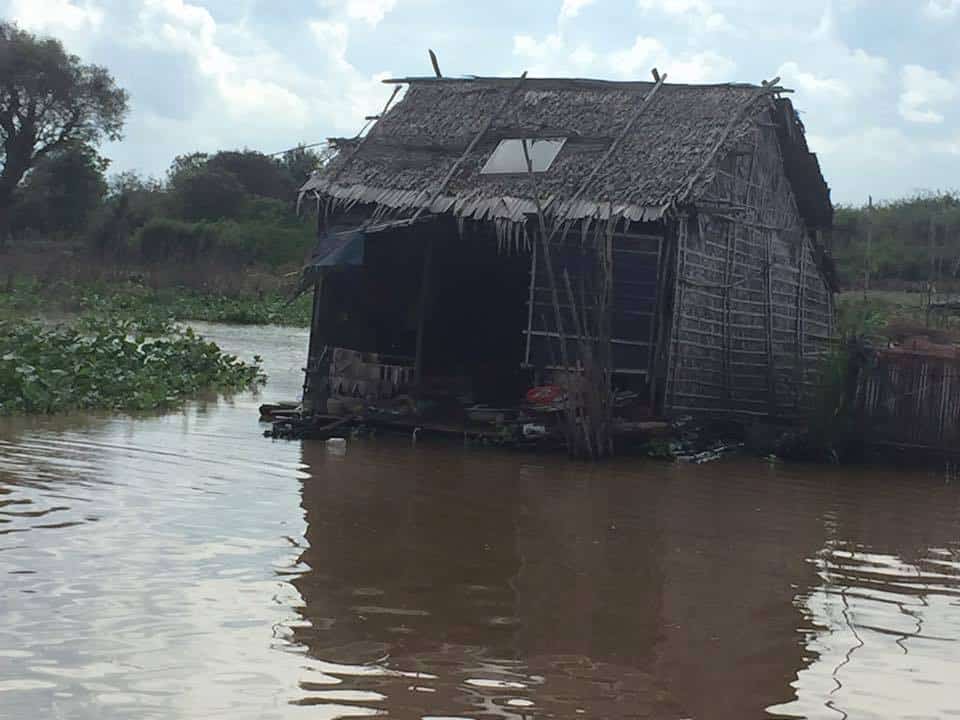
(515, 586)
(884, 618)
(181, 566)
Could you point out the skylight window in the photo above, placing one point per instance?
(509, 157)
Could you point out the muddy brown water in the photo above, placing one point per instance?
(182, 566)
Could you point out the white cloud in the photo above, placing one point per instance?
(837, 87)
(879, 158)
(924, 92)
(209, 74)
(552, 56)
(648, 52)
(571, 8)
(243, 83)
(537, 50)
(332, 40)
(638, 58)
(56, 15)
(700, 14)
(941, 9)
(258, 87)
(369, 11)
(702, 67)
(808, 82)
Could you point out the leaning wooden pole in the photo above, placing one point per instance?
(589, 405)
(544, 236)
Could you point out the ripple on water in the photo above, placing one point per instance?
(886, 636)
(180, 566)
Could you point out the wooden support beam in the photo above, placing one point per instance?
(644, 104)
(435, 63)
(315, 381)
(360, 142)
(473, 143)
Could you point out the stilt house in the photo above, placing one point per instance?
(474, 228)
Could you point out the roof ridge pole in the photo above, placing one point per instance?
(660, 79)
(473, 143)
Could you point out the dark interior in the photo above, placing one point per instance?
(475, 311)
(477, 315)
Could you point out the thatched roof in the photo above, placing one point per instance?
(666, 159)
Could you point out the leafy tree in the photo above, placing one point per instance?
(257, 173)
(48, 100)
(300, 162)
(184, 165)
(131, 182)
(61, 192)
(132, 200)
(900, 234)
(209, 194)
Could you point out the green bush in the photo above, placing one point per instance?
(234, 241)
(900, 239)
(266, 242)
(208, 193)
(162, 239)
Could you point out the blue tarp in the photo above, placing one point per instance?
(336, 249)
(340, 248)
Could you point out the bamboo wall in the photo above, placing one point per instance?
(752, 312)
(910, 399)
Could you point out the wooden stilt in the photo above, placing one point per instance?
(315, 384)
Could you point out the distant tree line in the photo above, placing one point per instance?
(232, 205)
(904, 241)
(236, 206)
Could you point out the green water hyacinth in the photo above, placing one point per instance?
(110, 364)
(152, 307)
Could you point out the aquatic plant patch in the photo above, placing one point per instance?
(149, 306)
(111, 364)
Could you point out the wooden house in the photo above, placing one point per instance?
(480, 222)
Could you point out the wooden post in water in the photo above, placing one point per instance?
(316, 375)
(316, 388)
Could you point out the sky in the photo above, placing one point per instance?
(877, 82)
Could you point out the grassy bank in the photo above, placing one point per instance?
(151, 306)
(96, 363)
(886, 315)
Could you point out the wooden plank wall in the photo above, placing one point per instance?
(751, 313)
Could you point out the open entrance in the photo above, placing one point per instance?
(472, 296)
(475, 318)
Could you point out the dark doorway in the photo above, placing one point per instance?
(476, 315)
